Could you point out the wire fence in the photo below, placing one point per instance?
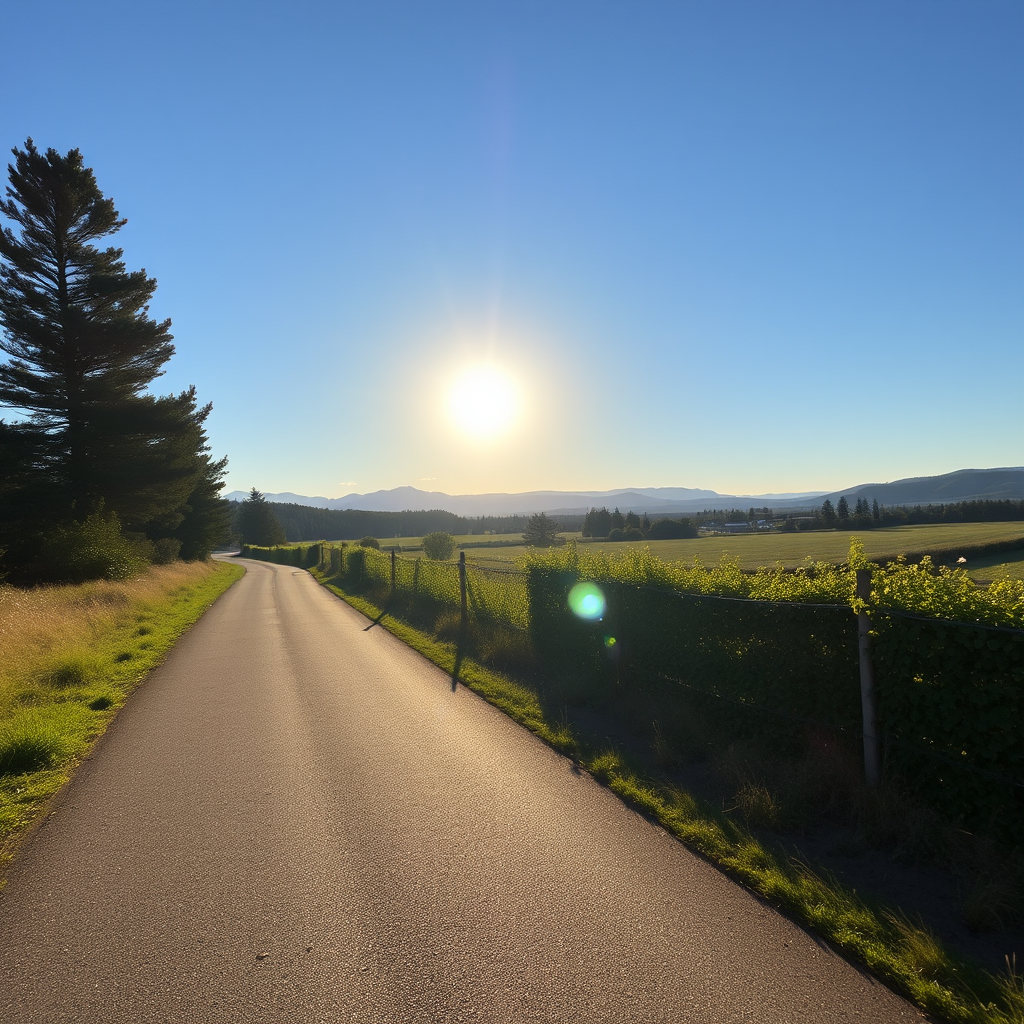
(950, 694)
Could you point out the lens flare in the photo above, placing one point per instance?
(587, 601)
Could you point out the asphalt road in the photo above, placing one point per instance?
(297, 819)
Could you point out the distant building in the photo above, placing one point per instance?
(737, 527)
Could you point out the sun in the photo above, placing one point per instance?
(484, 402)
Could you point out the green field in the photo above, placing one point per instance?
(1008, 565)
(468, 540)
(791, 549)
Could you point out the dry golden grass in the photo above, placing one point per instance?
(43, 622)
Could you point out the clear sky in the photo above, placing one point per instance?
(749, 246)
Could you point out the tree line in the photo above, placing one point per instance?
(601, 524)
(304, 522)
(98, 476)
(864, 515)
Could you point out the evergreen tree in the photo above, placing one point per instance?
(600, 523)
(645, 525)
(541, 531)
(875, 511)
(618, 520)
(81, 350)
(843, 508)
(828, 513)
(256, 522)
(205, 516)
(588, 519)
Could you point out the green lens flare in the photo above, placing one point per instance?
(587, 601)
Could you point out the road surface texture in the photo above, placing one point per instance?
(296, 818)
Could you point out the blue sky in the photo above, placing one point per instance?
(749, 246)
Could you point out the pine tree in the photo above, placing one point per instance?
(541, 531)
(81, 351)
(600, 522)
(256, 522)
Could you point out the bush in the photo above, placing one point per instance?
(616, 533)
(355, 564)
(370, 542)
(92, 550)
(672, 529)
(438, 546)
(166, 550)
(634, 533)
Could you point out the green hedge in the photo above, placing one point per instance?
(951, 708)
(754, 665)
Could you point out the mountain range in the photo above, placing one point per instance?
(962, 485)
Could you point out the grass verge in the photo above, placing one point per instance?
(69, 658)
(901, 952)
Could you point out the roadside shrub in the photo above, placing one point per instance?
(92, 550)
(166, 550)
(355, 564)
(438, 546)
(370, 542)
(616, 533)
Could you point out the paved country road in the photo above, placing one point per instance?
(297, 819)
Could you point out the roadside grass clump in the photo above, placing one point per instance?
(75, 667)
(41, 737)
(69, 657)
(768, 792)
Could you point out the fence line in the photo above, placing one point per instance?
(948, 693)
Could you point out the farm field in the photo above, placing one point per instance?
(1007, 565)
(753, 550)
(470, 540)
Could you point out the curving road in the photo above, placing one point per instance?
(297, 819)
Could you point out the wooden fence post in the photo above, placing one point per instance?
(462, 587)
(869, 714)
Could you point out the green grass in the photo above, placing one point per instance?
(991, 568)
(792, 549)
(69, 658)
(900, 952)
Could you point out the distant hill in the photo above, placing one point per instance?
(654, 500)
(963, 485)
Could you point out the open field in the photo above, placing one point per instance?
(1007, 565)
(942, 540)
(469, 540)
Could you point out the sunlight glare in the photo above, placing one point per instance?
(484, 402)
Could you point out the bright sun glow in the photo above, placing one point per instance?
(484, 402)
